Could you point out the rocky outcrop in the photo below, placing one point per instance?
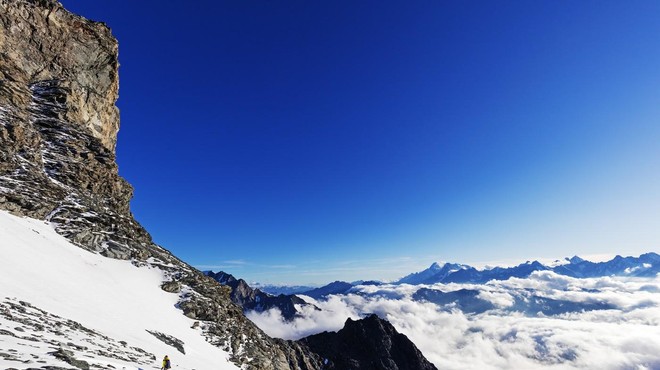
(254, 299)
(68, 357)
(371, 343)
(41, 41)
(58, 126)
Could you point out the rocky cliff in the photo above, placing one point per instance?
(371, 343)
(58, 126)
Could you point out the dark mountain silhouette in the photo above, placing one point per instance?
(368, 344)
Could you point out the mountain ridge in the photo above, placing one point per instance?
(346, 348)
(646, 265)
(256, 300)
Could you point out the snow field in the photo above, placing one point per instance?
(112, 297)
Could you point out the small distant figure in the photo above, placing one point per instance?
(166, 363)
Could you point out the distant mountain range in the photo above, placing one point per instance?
(262, 300)
(469, 300)
(646, 265)
(336, 287)
(526, 302)
(281, 289)
(432, 274)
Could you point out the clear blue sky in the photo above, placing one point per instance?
(309, 141)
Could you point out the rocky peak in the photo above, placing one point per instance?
(370, 343)
(651, 257)
(575, 260)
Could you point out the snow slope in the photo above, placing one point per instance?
(97, 308)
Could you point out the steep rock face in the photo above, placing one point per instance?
(370, 343)
(58, 127)
(80, 54)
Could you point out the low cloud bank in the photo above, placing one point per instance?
(624, 336)
(332, 316)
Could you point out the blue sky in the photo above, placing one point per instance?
(305, 142)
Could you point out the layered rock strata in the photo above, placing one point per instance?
(58, 128)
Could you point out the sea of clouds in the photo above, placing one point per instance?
(627, 336)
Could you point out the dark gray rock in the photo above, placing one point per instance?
(169, 340)
(254, 299)
(371, 343)
(68, 357)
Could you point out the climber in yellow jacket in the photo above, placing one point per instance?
(166, 363)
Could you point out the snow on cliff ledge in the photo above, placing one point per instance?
(60, 303)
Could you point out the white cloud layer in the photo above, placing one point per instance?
(626, 336)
